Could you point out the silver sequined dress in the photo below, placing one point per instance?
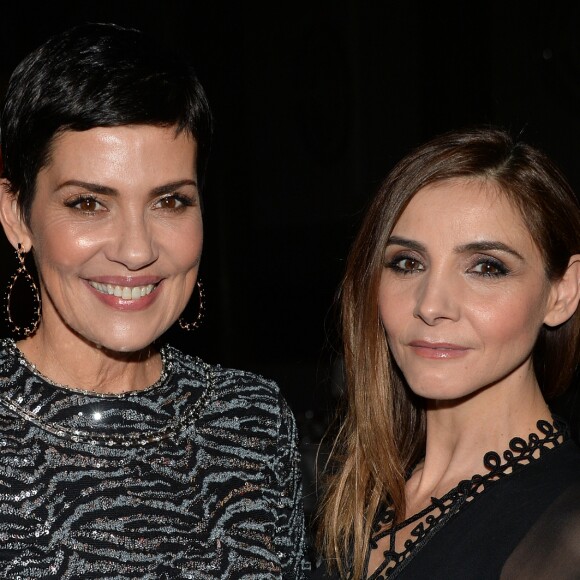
(194, 477)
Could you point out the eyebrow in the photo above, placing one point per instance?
(406, 243)
(106, 190)
(483, 246)
(486, 246)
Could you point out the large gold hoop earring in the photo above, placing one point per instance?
(200, 313)
(21, 270)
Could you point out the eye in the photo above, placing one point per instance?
(405, 265)
(489, 267)
(86, 203)
(173, 202)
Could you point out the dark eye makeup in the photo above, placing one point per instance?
(405, 264)
(484, 266)
(489, 267)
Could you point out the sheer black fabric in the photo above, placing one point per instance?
(522, 523)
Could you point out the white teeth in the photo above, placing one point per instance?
(124, 292)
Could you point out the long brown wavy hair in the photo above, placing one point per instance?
(383, 431)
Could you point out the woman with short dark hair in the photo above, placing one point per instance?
(120, 457)
(460, 319)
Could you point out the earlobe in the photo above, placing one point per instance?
(565, 294)
(12, 221)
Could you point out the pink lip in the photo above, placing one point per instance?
(123, 304)
(438, 350)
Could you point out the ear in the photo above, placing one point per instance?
(12, 220)
(565, 294)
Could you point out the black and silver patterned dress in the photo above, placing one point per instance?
(194, 477)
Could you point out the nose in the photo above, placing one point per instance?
(133, 242)
(437, 298)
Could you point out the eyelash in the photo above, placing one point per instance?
(393, 264)
(80, 199)
(184, 201)
(500, 267)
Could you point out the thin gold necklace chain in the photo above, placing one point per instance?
(166, 368)
(110, 439)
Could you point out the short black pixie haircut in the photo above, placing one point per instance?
(95, 75)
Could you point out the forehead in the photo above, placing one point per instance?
(71, 142)
(463, 210)
(114, 151)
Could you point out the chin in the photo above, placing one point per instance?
(123, 343)
(439, 390)
(125, 347)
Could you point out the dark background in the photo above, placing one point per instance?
(313, 104)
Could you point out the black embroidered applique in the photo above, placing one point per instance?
(428, 521)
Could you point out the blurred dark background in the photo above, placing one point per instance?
(314, 102)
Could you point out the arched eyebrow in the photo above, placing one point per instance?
(486, 246)
(92, 187)
(106, 190)
(172, 186)
(480, 246)
(406, 243)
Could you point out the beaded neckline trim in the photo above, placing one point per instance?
(137, 438)
(429, 520)
(166, 370)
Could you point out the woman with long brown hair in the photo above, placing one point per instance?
(460, 320)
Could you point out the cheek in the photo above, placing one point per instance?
(513, 319)
(63, 248)
(181, 248)
(395, 321)
(395, 309)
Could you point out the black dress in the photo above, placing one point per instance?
(521, 520)
(195, 477)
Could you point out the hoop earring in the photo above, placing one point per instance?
(15, 328)
(201, 312)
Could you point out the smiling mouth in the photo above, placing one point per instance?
(124, 292)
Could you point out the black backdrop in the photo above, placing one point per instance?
(314, 102)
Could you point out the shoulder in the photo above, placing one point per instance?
(561, 466)
(234, 392)
(237, 383)
(551, 547)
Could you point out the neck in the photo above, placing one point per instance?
(76, 363)
(459, 433)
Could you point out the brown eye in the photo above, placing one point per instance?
(169, 203)
(490, 268)
(174, 202)
(405, 265)
(87, 205)
(409, 264)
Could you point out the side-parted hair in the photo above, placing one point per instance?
(95, 75)
(383, 433)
